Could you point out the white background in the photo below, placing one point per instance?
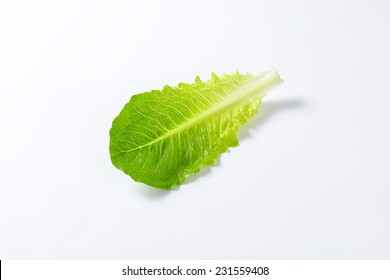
(309, 181)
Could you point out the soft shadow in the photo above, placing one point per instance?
(266, 110)
(151, 192)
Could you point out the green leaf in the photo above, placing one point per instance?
(162, 136)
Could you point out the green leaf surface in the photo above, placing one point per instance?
(162, 136)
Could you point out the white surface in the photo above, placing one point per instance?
(310, 179)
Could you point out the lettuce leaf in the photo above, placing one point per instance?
(162, 136)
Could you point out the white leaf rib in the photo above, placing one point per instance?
(259, 86)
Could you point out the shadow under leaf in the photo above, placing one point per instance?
(266, 111)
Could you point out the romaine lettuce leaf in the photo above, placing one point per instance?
(162, 136)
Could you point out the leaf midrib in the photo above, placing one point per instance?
(260, 85)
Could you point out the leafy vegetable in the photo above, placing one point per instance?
(162, 136)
